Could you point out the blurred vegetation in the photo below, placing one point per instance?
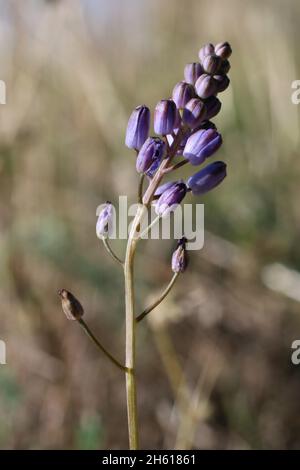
(214, 363)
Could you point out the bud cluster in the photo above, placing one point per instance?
(183, 128)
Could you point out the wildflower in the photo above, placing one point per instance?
(138, 127)
(207, 178)
(201, 145)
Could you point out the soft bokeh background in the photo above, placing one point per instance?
(214, 367)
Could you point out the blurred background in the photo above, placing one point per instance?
(214, 361)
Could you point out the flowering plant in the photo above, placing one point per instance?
(183, 129)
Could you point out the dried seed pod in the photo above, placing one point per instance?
(72, 308)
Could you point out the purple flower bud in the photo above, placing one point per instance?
(207, 125)
(163, 187)
(179, 257)
(150, 154)
(222, 82)
(211, 63)
(201, 145)
(213, 106)
(223, 49)
(177, 121)
(170, 199)
(165, 116)
(207, 178)
(206, 50)
(138, 127)
(104, 221)
(224, 67)
(205, 86)
(182, 93)
(192, 72)
(194, 113)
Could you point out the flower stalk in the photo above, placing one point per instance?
(185, 131)
(130, 330)
(160, 298)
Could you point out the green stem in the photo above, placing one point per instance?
(91, 335)
(130, 330)
(159, 300)
(110, 251)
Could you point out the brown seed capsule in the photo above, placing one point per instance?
(72, 308)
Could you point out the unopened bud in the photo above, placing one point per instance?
(170, 199)
(194, 113)
(211, 63)
(213, 106)
(182, 93)
(150, 154)
(207, 178)
(192, 72)
(201, 145)
(165, 117)
(179, 257)
(206, 50)
(138, 127)
(224, 67)
(223, 50)
(104, 221)
(222, 82)
(205, 86)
